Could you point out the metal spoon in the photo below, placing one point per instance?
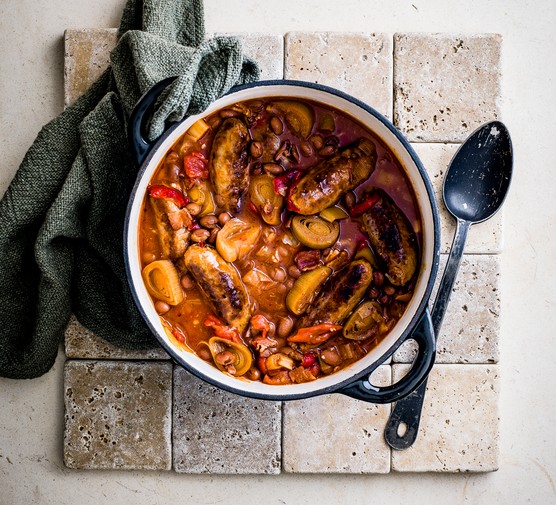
(475, 187)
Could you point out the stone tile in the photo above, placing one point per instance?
(84, 344)
(266, 49)
(336, 434)
(470, 332)
(357, 63)
(445, 85)
(484, 237)
(219, 432)
(459, 428)
(87, 55)
(117, 415)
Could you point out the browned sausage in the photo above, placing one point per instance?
(221, 284)
(173, 239)
(392, 238)
(323, 185)
(228, 162)
(346, 289)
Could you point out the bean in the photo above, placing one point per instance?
(256, 149)
(186, 282)
(378, 278)
(276, 125)
(278, 275)
(285, 327)
(161, 307)
(223, 218)
(148, 257)
(271, 330)
(384, 300)
(204, 353)
(219, 200)
(208, 221)
(295, 153)
(200, 235)
(306, 148)
(226, 113)
(349, 199)
(331, 357)
(317, 141)
(293, 271)
(225, 358)
(389, 290)
(374, 292)
(273, 168)
(193, 208)
(214, 121)
(327, 151)
(212, 237)
(289, 283)
(253, 374)
(172, 157)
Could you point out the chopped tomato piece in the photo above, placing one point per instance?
(167, 193)
(261, 323)
(221, 330)
(315, 334)
(196, 166)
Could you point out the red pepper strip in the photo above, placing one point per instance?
(365, 205)
(283, 182)
(259, 322)
(221, 330)
(167, 193)
(315, 334)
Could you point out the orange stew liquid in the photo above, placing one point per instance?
(375, 227)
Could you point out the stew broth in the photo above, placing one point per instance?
(183, 210)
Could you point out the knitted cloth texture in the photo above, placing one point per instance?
(62, 217)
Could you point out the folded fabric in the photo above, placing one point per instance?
(61, 219)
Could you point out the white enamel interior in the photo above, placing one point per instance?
(258, 388)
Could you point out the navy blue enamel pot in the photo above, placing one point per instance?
(414, 324)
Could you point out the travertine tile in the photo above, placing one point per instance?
(219, 432)
(87, 55)
(445, 85)
(484, 237)
(337, 434)
(471, 328)
(82, 343)
(459, 428)
(117, 415)
(266, 49)
(357, 63)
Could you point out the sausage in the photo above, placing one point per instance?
(173, 242)
(323, 185)
(228, 162)
(221, 284)
(392, 238)
(347, 288)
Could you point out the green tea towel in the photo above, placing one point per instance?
(61, 219)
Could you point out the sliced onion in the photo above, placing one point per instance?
(315, 232)
(163, 282)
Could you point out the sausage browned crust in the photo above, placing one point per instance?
(392, 238)
(323, 185)
(228, 162)
(220, 283)
(347, 288)
(173, 239)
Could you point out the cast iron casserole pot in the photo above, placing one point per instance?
(414, 324)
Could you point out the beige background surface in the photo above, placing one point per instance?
(31, 413)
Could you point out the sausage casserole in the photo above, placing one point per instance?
(280, 240)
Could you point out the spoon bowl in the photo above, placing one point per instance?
(475, 187)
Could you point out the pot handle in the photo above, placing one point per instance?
(137, 137)
(423, 334)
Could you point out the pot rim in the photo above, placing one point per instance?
(235, 384)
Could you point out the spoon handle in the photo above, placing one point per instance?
(403, 424)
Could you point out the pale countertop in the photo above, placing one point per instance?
(31, 417)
